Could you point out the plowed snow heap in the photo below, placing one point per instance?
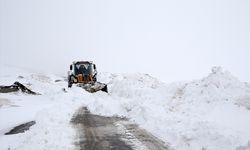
(84, 74)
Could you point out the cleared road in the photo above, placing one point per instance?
(96, 132)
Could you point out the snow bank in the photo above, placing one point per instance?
(211, 113)
(52, 112)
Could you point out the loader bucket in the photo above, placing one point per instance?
(105, 89)
(94, 87)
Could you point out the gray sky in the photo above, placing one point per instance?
(171, 40)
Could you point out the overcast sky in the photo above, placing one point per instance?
(172, 40)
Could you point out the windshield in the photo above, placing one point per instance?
(84, 69)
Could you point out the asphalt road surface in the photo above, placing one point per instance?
(96, 132)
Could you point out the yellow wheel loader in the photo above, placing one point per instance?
(84, 74)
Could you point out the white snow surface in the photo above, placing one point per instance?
(212, 113)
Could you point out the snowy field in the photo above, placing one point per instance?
(212, 113)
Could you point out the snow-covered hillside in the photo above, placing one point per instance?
(212, 113)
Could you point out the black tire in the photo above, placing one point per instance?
(70, 81)
(69, 85)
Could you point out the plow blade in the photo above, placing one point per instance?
(94, 87)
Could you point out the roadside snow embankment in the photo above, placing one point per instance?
(52, 111)
(211, 113)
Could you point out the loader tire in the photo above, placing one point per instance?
(69, 85)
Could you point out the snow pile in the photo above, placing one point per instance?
(218, 86)
(52, 112)
(207, 113)
(211, 113)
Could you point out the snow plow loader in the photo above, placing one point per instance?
(84, 74)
